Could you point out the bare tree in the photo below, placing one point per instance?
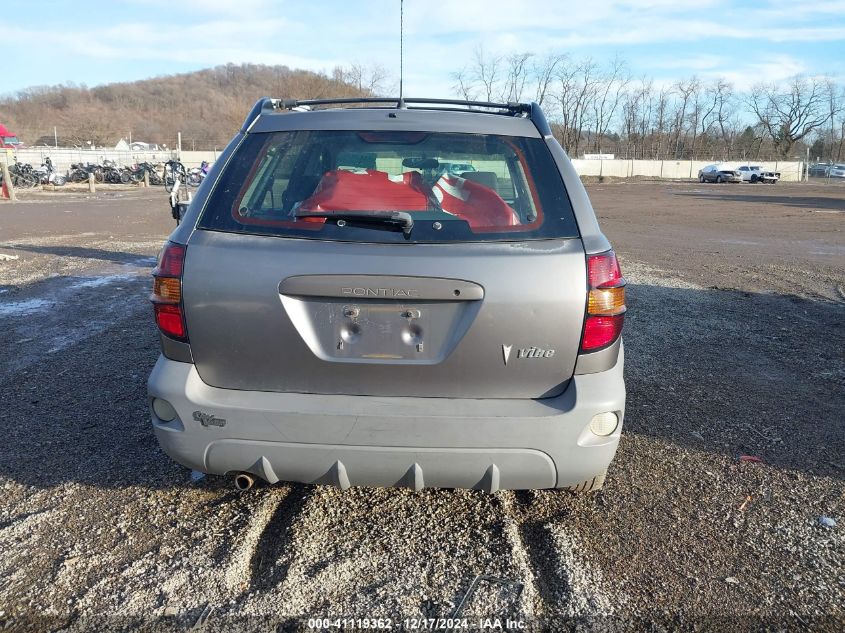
(638, 109)
(506, 78)
(791, 112)
(543, 71)
(368, 79)
(685, 91)
(723, 100)
(576, 89)
(517, 71)
(486, 71)
(644, 125)
(696, 114)
(464, 85)
(836, 107)
(606, 96)
(661, 115)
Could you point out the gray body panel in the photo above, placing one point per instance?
(378, 441)
(245, 334)
(599, 361)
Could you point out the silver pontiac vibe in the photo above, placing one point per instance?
(341, 305)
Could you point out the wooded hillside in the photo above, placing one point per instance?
(207, 106)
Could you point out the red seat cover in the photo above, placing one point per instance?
(342, 190)
(480, 206)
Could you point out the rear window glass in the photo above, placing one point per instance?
(454, 187)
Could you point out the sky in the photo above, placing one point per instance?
(92, 43)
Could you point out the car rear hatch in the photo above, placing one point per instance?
(483, 297)
(273, 314)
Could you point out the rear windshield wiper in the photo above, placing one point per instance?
(399, 218)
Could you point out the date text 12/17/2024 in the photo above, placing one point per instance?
(414, 624)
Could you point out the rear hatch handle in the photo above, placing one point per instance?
(383, 287)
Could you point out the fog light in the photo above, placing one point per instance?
(164, 410)
(604, 423)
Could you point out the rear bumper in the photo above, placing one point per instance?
(376, 441)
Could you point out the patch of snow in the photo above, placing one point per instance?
(98, 282)
(20, 308)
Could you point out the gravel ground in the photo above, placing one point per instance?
(734, 347)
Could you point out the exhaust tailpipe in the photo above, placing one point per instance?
(244, 481)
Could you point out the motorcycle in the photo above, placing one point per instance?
(47, 175)
(114, 174)
(197, 174)
(23, 175)
(79, 172)
(136, 173)
(174, 174)
(195, 177)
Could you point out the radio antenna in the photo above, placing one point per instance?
(401, 103)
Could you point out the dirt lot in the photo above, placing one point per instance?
(734, 347)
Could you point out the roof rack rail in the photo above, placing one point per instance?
(531, 110)
(289, 104)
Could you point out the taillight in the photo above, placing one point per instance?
(605, 302)
(167, 292)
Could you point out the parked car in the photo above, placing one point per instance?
(755, 173)
(716, 173)
(455, 169)
(827, 170)
(820, 170)
(391, 326)
(837, 171)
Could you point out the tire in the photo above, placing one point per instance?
(754, 179)
(719, 179)
(591, 485)
(125, 178)
(700, 178)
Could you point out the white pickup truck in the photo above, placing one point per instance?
(755, 173)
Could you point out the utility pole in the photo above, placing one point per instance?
(807, 167)
(55, 136)
(179, 145)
